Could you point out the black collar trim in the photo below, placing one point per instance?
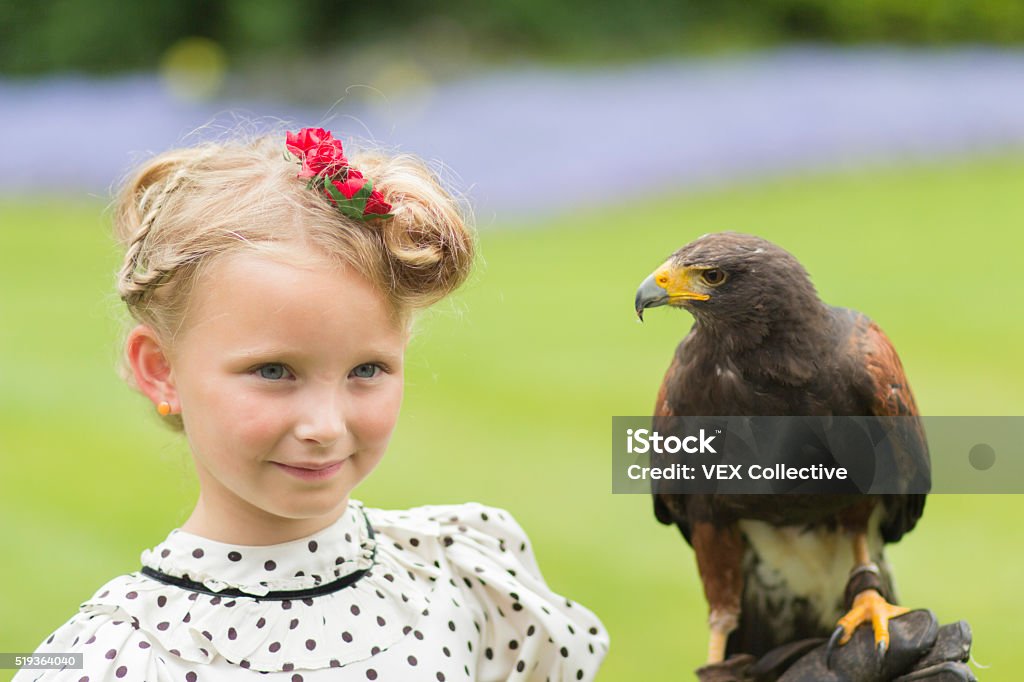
(277, 595)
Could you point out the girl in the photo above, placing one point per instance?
(273, 297)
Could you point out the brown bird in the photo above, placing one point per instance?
(774, 567)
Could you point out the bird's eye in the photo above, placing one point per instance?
(713, 277)
(366, 371)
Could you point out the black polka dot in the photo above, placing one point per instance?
(215, 601)
(520, 666)
(163, 626)
(286, 604)
(310, 644)
(232, 633)
(84, 679)
(293, 624)
(234, 556)
(447, 652)
(187, 618)
(374, 651)
(414, 542)
(122, 671)
(347, 636)
(489, 653)
(513, 644)
(132, 595)
(144, 645)
(191, 677)
(440, 676)
(164, 554)
(161, 600)
(371, 674)
(261, 622)
(380, 621)
(312, 545)
(412, 660)
(530, 630)
(354, 610)
(565, 652)
(579, 674)
(112, 654)
(593, 631)
(296, 678)
(270, 565)
(287, 667)
(274, 647)
(197, 553)
(244, 663)
(335, 663)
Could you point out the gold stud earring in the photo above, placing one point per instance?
(164, 408)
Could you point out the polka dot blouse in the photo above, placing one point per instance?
(432, 593)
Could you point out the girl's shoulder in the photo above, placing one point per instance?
(109, 642)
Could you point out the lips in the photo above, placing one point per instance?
(311, 471)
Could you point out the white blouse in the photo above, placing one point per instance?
(432, 593)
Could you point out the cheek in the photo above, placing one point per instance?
(377, 416)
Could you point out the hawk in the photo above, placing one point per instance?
(775, 568)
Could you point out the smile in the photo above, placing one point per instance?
(312, 472)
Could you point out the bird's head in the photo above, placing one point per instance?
(729, 279)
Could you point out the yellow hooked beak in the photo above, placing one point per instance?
(668, 285)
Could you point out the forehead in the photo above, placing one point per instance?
(298, 298)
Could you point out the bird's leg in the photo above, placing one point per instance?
(869, 605)
(719, 551)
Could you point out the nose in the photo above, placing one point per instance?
(322, 419)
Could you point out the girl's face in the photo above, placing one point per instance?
(289, 381)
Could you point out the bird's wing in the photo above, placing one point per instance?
(889, 395)
(669, 508)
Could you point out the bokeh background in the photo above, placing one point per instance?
(881, 141)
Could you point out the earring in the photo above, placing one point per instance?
(164, 408)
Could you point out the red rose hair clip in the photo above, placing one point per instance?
(324, 164)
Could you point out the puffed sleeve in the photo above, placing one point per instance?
(529, 632)
(112, 649)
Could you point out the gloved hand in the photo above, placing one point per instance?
(919, 651)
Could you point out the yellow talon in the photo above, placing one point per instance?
(869, 605)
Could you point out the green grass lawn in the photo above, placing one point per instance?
(511, 387)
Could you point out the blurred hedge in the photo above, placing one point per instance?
(112, 35)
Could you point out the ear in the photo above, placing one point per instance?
(151, 366)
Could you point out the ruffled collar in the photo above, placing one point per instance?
(329, 558)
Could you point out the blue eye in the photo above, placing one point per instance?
(273, 372)
(367, 371)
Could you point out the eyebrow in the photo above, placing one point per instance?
(253, 354)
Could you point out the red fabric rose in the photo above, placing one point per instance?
(327, 159)
(351, 185)
(318, 151)
(301, 142)
(376, 205)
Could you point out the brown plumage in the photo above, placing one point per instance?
(763, 343)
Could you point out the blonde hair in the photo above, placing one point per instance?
(186, 207)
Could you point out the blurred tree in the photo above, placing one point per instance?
(111, 35)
